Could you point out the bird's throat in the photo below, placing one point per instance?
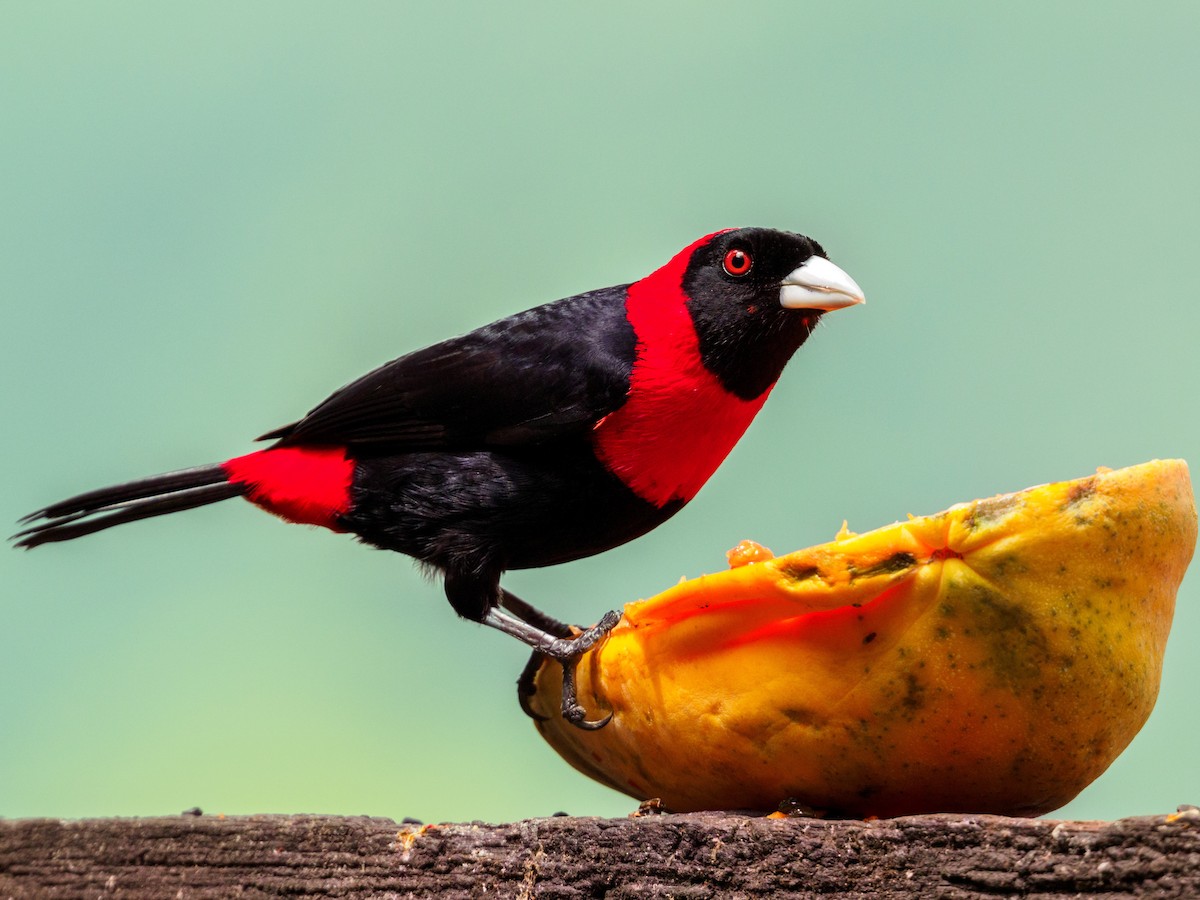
(679, 422)
(664, 444)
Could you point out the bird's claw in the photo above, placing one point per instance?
(571, 710)
(567, 652)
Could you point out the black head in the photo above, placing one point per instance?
(755, 295)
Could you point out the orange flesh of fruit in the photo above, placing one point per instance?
(995, 657)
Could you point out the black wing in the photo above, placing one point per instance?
(545, 373)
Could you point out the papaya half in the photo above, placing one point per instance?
(995, 657)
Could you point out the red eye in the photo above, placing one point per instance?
(738, 262)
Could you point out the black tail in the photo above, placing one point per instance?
(154, 496)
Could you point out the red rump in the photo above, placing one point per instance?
(679, 422)
(306, 485)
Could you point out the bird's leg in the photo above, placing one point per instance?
(525, 682)
(478, 596)
(535, 616)
(565, 650)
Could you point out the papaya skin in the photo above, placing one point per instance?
(995, 657)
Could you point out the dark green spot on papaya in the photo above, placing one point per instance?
(798, 572)
(914, 694)
(985, 512)
(1081, 491)
(802, 716)
(1017, 648)
(897, 562)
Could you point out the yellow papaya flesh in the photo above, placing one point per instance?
(995, 657)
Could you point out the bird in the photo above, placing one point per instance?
(547, 436)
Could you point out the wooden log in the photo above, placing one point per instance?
(684, 856)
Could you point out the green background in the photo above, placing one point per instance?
(214, 214)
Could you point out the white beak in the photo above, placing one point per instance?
(819, 284)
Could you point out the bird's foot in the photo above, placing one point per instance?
(565, 649)
(568, 657)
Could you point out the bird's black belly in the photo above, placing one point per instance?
(492, 510)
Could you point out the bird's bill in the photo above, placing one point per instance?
(819, 284)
